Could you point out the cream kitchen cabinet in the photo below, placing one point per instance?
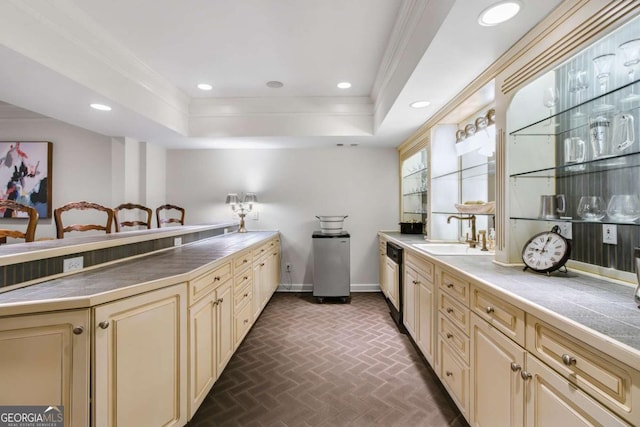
(497, 388)
(140, 350)
(45, 360)
(554, 401)
(266, 274)
(243, 295)
(390, 281)
(211, 341)
(382, 255)
(452, 361)
(419, 303)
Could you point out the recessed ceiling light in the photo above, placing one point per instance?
(204, 86)
(274, 84)
(499, 13)
(419, 104)
(344, 85)
(100, 107)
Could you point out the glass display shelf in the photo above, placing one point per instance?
(414, 173)
(416, 213)
(481, 169)
(461, 213)
(577, 116)
(416, 193)
(605, 220)
(622, 161)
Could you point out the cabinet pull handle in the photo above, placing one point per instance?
(489, 310)
(414, 282)
(449, 285)
(245, 278)
(568, 359)
(219, 300)
(262, 264)
(245, 321)
(215, 279)
(515, 367)
(104, 324)
(216, 302)
(78, 330)
(525, 375)
(246, 295)
(449, 310)
(449, 335)
(244, 261)
(449, 373)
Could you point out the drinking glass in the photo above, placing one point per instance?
(624, 207)
(602, 65)
(591, 208)
(575, 153)
(550, 98)
(578, 82)
(631, 52)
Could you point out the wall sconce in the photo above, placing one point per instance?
(238, 204)
(478, 136)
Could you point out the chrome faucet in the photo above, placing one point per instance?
(472, 220)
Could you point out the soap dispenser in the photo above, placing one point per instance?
(636, 295)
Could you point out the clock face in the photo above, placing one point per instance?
(546, 252)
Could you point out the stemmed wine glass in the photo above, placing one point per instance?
(550, 98)
(631, 51)
(602, 65)
(578, 82)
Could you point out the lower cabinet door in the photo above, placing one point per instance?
(224, 335)
(140, 366)
(203, 321)
(497, 388)
(554, 401)
(44, 360)
(454, 374)
(426, 320)
(242, 322)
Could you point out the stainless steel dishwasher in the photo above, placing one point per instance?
(331, 266)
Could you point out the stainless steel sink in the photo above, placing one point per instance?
(450, 249)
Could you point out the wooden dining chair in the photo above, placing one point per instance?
(83, 206)
(164, 215)
(120, 222)
(29, 234)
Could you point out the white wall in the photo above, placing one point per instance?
(293, 186)
(81, 164)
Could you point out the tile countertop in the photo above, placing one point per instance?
(129, 277)
(606, 307)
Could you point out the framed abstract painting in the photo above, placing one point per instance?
(25, 175)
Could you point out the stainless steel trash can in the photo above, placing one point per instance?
(331, 266)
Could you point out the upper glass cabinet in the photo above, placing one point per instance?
(414, 173)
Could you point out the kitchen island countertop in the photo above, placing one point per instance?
(129, 277)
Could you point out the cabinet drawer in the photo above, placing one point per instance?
(241, 279)
(423, 266)
(455, 376)
(507, 318)
(260, 251)
(614, 384)
(242, 296)
(242, 261)
(455, 286)
(242, 323)
(454, 337)
(454, 311)
(201, 285)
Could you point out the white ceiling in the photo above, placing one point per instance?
(144, 58)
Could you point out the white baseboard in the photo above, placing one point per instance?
(308, 287)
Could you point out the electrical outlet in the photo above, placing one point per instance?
(255, 215)
(288, 267)
(72, 264)
(610, 234)
(177, 241)
(565, 229)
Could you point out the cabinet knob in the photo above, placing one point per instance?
(489, 310)
(449, 373)
(245, 278)
(78, 330)
(246, 295)
(449, 285)
(104, 324)
(221, 300)
(515, 367)
(525, 375)
(244, 261)
(215, 279)
(449, 310)
(245, 321)
(449, 335)
(415, 282)
(568, 359)
(262, 264)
